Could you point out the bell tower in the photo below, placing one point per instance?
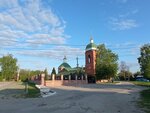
(90, 61)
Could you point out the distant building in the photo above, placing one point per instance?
(66, 70)
(64, 66)
(89, 69)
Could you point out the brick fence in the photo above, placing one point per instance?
(69, 82)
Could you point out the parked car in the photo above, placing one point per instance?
(142, 79)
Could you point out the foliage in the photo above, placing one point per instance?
(106, 63)
(53, 71)
(46, 74)
(145, 100)
(124, 73)
(24, 74)
(136, 74)
(141, 83)
(33, 91)
(144, 60)
(144, 96)
(1, 77)
(123, 66)
(8, 67)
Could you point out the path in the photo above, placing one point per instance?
(91, 98)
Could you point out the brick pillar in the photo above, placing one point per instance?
(43, 79)
(69, 77)
(82, 79)
(86, 78)
(53, 77)
(69, 81)
(17, 76)
(76, 79)
(62, 77)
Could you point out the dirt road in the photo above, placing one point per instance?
(91, 98)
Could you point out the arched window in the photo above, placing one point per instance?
(89, 59)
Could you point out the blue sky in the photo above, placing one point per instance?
(40, 32)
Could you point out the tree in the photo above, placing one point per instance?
(46, 74)
(53, 71)
(106, 63)
(136, 74)
(123, 66)
(124, 73)
(144, 60)
(24, 74)
(8, 67)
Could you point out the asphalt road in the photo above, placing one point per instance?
(91, 98)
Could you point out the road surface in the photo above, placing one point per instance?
(90, 98)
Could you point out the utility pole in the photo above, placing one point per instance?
(77, 62)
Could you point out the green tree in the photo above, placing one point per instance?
(24, 74)
(46, 74)
(106, 63)
(53, 71)
(124, 73)
(136, 74)
(8, 67)
(144, 60)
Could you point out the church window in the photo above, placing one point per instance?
(89, 59)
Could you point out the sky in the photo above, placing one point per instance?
(39, 33)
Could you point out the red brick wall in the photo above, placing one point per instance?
(90, 67)
(57, 83)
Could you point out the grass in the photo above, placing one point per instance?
(115, 82)
(33, 91)
(145, 100)
(147, 84)
(144, 96)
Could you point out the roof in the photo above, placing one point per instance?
(66, 65)
(68, 71)
(91, 46)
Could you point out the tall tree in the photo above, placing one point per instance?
(123, 66)
(144, 60)
(8, 67)
(106, 63)
(53, 71)
(124, 73)
(46, 74)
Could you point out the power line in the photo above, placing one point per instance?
(62, 49)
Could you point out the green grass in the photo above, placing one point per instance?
(33, 92)
(147, 84)
(115, 82)
(145, 100)
(144, 96)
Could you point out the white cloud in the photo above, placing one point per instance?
(126, 49)
(122, 24)
(29, 28)
(54, 53)
(29, 22)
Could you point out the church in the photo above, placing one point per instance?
(89, 69)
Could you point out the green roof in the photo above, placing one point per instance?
(91, 46)
(65, 65)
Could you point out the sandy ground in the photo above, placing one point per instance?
(90, 98)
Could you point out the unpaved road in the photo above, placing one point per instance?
(90, 98)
